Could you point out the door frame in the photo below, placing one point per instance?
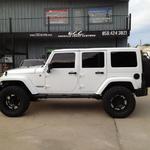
(97, 69)
(76, 68)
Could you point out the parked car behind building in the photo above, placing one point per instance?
(32, 62)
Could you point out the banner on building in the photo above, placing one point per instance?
(57, 16)
(100, 15)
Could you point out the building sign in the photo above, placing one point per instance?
(57, 16)
(83, 34)
(41, 35)
(100, 15)
(114, 33)
(77, 34)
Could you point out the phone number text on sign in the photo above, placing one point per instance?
(114, 33)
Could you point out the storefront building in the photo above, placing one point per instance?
(33, 28)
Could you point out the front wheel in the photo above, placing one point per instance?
(14, 101)
(119, 102)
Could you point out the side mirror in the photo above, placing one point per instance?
(50, 66)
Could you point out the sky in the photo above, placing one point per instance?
(140, 10)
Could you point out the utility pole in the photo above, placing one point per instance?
(140, 42)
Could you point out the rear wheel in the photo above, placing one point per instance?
(14, 101)
(119, 102)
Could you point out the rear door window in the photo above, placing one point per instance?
(93, 60)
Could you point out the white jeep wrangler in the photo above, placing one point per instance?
(115, 75)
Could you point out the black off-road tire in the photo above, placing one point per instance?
(20, 96)
(113, 95)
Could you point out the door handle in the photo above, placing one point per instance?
(98, 72)
(72, 73)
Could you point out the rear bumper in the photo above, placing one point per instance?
(141, 92)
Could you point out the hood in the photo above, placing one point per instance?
(23, 70)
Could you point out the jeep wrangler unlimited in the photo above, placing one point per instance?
(115, 75)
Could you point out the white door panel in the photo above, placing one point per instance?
(60, 81)
(90, 81)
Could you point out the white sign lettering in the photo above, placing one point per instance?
(114, 33)
(76, 34)
(41, 35)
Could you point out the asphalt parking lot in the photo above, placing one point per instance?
(76, 124)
